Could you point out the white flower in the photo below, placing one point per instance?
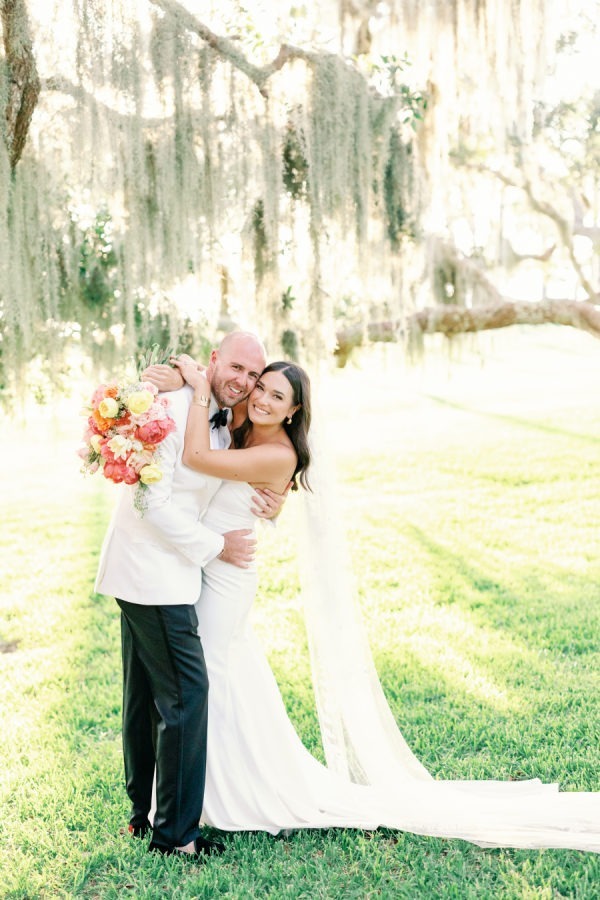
(120, 446)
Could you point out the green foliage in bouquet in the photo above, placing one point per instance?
(155, 355)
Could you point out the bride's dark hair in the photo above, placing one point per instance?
(298, 429)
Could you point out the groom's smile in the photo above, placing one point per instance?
(234, 369)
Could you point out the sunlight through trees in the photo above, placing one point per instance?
(327, 175)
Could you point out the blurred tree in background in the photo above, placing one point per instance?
(325, 174)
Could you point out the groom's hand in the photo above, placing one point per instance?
(238, 548)
(165, 378)
(266, 504)
(168, 378)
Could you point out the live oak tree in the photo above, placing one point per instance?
(346, 172)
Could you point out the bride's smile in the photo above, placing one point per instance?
(271, 401)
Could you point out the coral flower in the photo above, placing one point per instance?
(125, 426)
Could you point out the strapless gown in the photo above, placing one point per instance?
(260, 777)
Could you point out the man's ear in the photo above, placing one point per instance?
(212, 361)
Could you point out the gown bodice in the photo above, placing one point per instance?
(229, 509)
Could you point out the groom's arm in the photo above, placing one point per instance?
(177, 529)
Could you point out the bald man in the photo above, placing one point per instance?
(152, 564)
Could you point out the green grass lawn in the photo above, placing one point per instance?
(470, 495)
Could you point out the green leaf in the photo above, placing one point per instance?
(155, 355)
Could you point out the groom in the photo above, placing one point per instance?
(152, 565)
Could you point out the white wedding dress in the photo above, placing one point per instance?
(261, 777)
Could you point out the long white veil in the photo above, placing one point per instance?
(361, 739)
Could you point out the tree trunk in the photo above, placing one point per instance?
(22, 82)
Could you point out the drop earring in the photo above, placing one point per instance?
(289, 421)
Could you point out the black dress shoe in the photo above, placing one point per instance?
(208, 846)
(140, 831)
(202, 847)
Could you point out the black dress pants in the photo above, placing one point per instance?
(165, 711)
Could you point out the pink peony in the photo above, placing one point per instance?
(156, 431)
(156, 411)
(94, 426)
(117, 470)
(126, 427)
(130, 476)
(144, 418)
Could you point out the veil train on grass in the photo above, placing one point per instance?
(361, 739)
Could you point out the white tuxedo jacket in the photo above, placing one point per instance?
(156, 558)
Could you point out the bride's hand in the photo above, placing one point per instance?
(192, 373)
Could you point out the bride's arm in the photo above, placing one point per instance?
(268, 464)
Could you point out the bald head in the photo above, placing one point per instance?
(242, 340)
(234, 367)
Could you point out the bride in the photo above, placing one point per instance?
(259, 774)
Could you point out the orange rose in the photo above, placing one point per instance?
(101, 423)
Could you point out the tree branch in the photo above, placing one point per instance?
(449, 321)
(514, 257)
(565, 229)
(458, 320)
(62, 85)
(590, 231)
(23, 83)
(226, 48)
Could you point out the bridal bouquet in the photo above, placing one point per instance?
(126, 423)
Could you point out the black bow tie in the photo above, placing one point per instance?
(220, 418)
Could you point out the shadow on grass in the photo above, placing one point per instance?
(544, 610)
(491, 681)
(512, 420)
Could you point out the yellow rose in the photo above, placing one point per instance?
(108, 408)
(95, 443)
(150, 474)
(139, 402)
